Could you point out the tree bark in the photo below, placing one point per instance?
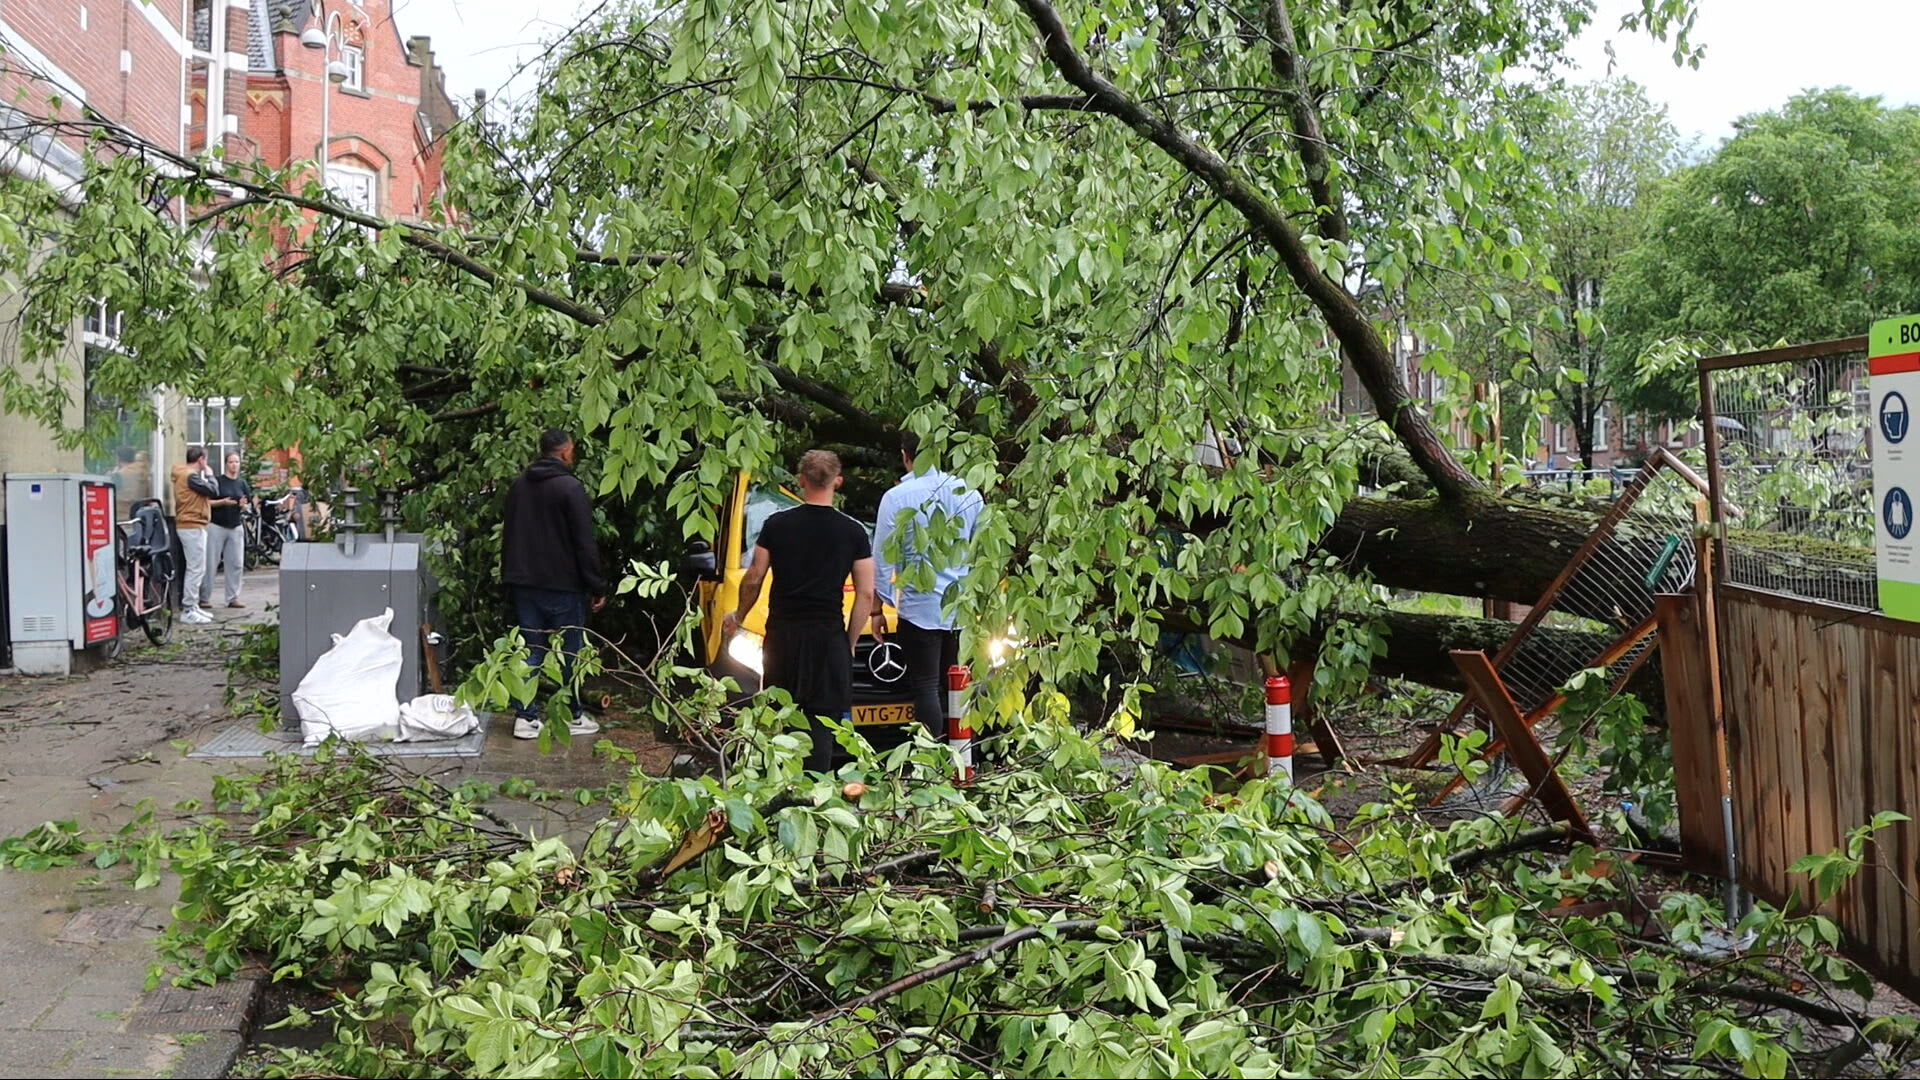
(1510, 549)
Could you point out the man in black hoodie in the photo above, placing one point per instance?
(550, 562)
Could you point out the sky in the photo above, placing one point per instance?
(1758, 52)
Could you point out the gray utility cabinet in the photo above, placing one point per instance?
(62, 541)
(325, 588)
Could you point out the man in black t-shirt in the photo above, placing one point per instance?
(811, 548)
(227, 535)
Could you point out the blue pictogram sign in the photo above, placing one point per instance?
(1897, 512)
(1893, 417)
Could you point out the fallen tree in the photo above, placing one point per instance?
(1054, 919)
(1063, 258)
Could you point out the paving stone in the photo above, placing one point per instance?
(35, 1050)
(92, 1013)
(123, 1055)
(107, 923)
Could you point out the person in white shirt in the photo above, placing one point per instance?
(903, 547)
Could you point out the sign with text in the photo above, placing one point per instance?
(1893, 362)
(97, 562)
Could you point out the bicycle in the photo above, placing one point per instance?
(144, 568)
(268, 530)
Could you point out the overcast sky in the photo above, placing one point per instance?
(1759, 52)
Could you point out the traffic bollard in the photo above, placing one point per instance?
(1280, 728)
(959, 730)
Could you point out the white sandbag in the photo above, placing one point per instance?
(435, 716)
(353, 690)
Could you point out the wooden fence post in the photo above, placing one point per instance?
(1544, 782)
(1696, 728)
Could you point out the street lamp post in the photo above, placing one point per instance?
(332, 42)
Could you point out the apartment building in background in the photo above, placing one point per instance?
(272, 81)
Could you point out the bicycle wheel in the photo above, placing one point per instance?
(158, 621)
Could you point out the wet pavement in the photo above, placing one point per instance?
(76, 943)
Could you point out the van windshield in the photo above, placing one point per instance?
(763, 501)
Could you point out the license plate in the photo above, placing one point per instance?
(882, 714)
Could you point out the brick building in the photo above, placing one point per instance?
(189, 75)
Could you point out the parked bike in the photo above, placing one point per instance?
(144, 568)
(269, 530)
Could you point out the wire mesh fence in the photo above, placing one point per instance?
(1792, 438)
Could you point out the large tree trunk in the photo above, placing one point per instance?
(1511, 549)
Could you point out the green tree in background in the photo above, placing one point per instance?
(1613, 145)
(1804, 226)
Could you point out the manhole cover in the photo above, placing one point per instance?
(95, 924)
(222, 1007)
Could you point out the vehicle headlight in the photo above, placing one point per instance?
(745, 649)
(1002, 649)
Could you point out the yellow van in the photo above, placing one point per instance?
(882, 695)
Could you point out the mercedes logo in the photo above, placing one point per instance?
(885, 663)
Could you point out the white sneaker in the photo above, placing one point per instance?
(195, 615)
(524, 728)
(583, 725)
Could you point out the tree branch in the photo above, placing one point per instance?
(1306, 120)
(1367, 352)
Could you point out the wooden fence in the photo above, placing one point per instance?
(1822, 715)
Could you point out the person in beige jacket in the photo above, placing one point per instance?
(196, 491)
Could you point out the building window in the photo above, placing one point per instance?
(101, 326)
(1599, 432)
(354, 187)
(355, 57)
(203, 25)
(211, 422)
(126, 458)
(1559, 438)
(1677, 433)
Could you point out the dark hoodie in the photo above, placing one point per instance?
(548, 542)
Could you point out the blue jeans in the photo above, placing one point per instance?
(541, 613)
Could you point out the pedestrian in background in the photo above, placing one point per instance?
(227, 534)
(550, 561)
(928, 633)
(810, 550)
(195, 493)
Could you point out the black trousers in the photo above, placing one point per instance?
(811, 662)
(929, 653)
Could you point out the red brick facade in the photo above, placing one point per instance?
(389, 125)
(189, 74)
(125, 59)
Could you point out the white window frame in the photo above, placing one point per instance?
(355, 59)
(336, 172)
(1600, 431)
(102, 327)
(1559, 437)
(1677, 433)
(216, 448)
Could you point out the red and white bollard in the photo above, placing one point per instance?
(1280, 728)
(959, 730)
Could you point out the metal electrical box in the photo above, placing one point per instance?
(325, 588)
(63, 590)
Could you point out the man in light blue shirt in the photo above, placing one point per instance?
(921, 536)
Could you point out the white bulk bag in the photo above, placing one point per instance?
(353, 690)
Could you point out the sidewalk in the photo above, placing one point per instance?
(76, 943)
